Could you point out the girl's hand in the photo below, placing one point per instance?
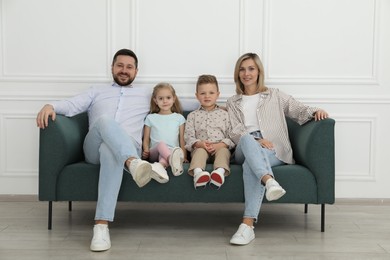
(145, 154)
(320, 114)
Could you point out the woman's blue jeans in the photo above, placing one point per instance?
(110, 146)
(256, 162)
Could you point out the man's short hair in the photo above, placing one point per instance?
(125, 52)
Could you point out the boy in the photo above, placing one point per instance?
(206, 135)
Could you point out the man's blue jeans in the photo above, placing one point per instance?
(110, 146)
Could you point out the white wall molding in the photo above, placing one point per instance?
(16, 159)
(348, 151)
(23, 95)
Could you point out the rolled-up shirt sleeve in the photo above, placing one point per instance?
(74, 105)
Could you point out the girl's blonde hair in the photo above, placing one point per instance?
(176, 105)
(240, 89)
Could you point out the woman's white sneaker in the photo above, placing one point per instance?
(243, 236)
(274, 190)
(101, 238)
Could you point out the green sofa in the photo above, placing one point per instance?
(65, 176)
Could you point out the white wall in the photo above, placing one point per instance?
(327, 53)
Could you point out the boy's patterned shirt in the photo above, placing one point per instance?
(207, 125)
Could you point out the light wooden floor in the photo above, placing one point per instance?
(355, 229)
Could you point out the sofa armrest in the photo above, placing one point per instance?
(313, 147)
(60, 144)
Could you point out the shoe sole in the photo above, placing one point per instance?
(143, 174)
(274, 194)
(177, 155)
(99, 249)
(202, 181)
(216, 180)
(160, 179)
(241, 243)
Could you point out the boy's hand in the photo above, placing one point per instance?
(212, 148)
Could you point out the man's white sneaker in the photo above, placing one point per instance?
(217, 179)
(141, 171)
(274, 190)
(176, 161)
(243, 236)
(201, 179)
(101, 238)
(159, 173)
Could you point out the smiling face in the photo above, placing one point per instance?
(249, 73)
(124, 70)
(207, 94)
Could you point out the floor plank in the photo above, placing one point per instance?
(355, 229)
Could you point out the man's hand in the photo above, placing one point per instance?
(43, 116)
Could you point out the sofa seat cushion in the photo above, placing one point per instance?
(75, 178)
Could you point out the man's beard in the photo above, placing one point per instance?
(125, 83)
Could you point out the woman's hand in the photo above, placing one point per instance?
(320, 114)
(266, 144)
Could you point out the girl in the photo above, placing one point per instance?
(163, 141)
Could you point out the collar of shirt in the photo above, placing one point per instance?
(114, 84)
(262, 94)
(215, 108)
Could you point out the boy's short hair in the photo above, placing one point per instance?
(206, 79)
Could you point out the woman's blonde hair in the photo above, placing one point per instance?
(176, 105)
(240, 89)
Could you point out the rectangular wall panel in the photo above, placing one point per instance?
(321, 41)
(355, 139)
(19, 145)
(54, 39)
(189, 39)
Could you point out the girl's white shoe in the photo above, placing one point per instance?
(159, 173)
(176, 161)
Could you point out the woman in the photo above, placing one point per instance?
(258, 127)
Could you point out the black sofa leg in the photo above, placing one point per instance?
(322, 217)
(70, 206)
(50, 215)
(306, 208)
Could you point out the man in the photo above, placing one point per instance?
(116, 117)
